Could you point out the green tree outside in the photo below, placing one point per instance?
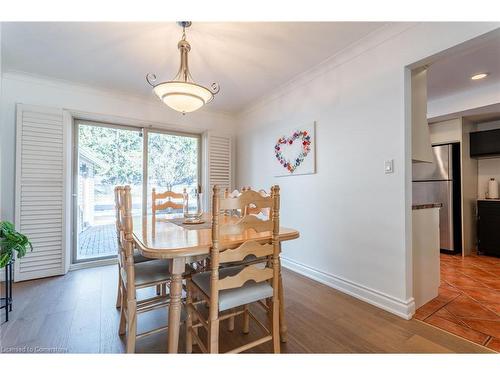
(172, 159)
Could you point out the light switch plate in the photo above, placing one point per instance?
(389, 166)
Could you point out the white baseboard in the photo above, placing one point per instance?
(401, 308)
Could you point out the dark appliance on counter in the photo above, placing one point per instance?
(439, 182)
(488, 227)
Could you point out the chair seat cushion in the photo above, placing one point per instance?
(138, 258)
(229, 298)
(151, 272)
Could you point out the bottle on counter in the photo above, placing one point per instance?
(492, 189)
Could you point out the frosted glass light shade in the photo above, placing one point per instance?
(183, 96)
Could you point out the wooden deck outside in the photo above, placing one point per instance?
(97, 241)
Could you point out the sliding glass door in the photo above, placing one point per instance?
(109, 155)
(106, 156)
(173, 164)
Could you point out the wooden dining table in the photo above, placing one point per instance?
(181, 244)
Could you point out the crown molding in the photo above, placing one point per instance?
(368, 42)
(32, 78)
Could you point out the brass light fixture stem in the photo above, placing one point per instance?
(184, 48)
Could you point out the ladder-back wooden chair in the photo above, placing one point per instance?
(134, 276)
(228, 291)
(138, 258)
(165, 200)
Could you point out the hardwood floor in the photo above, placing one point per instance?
(76, 314)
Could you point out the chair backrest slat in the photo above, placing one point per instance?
(245, 223)
(247, 249)
(169, 196)
(168, 204)
(244, 199)
(127, 221)
(251, 272)
(122, 224)
(117, 209)
(127, 213)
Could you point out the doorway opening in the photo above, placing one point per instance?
(455, 276)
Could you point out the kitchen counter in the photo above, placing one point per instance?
(489, 200)
(426, 205)
(425, 253)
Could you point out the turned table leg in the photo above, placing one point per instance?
(177, 267)
(281, 296)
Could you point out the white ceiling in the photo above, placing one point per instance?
(247, 59)
(452, 73)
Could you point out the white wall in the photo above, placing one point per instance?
(354, 220)
(446, 131)
(19, 88)
(490, 125)
(487, 168)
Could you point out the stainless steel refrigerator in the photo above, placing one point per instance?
(439, 182)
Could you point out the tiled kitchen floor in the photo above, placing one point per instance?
(468, 304)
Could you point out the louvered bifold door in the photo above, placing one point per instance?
(40, 190)
(219, 162)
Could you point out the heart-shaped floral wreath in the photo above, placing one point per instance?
(301, 135)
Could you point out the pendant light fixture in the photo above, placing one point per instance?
(182, 93)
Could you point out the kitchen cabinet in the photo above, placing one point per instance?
(488, 224)
(485, 143)
(420, 135)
